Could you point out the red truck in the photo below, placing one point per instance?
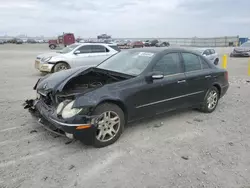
(65, 40)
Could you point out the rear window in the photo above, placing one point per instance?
(115, 47)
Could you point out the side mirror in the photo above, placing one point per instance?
(154, 76)
(77, 52)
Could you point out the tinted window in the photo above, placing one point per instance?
(204, 64)
(98, 49)
(207, 52)
(212, 51)
(85, 49)
(168, 64)
(191, 62)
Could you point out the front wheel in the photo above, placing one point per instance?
(210, 101)
(60, 66)
(110, 124)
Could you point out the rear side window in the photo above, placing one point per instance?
(204, 64)
(169, 64)
(98, 49)
(115, 47)
(212, 51)
(191, 62)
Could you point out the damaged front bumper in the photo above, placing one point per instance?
(80, 127)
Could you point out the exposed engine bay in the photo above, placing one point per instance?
(89, 81)
(86, 83)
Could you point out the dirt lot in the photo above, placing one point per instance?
(181, 149)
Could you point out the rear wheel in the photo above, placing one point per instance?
(216, 61)
(210, 101)
(52, 46)
(110, 124)
(60, 66)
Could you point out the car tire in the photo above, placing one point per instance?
(52, 46)
(210, 101)
(216, 61)
(108, 111)
(60, 66)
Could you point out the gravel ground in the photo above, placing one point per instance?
(180, 149)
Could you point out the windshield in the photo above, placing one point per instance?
(128, 62)
(69, 48)
(247, 44)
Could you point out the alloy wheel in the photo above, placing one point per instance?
(212, 99)
(108, 126)
(62, 67)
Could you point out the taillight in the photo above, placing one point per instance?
(226, 76)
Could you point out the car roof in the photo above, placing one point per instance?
(159, 49)
(96, 43)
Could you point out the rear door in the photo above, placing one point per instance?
(198, 77)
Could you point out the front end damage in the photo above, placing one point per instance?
(55, 98)
(81, 127)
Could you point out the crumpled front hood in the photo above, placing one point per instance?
(242, 49)
(53, 81)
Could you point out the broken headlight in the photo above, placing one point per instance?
(66, 110)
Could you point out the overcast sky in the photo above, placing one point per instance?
(126, 18)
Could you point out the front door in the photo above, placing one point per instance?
(164, 94)
(83, 58)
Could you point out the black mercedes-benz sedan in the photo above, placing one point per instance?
(93, 104)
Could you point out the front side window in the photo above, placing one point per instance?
(69, 48)
(85, 49)
(169, 64)
(191, 62)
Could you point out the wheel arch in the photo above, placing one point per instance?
(120, 104)
(218, 87)
(58, 63)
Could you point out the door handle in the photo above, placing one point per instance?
(208, 76)
(181, 81)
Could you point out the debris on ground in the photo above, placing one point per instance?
(45, 178)
(33, 131)
(231, 143)
(158, 124)
(185, 157)
(204, 172)
(198, 120)
(69, 142)
(71, 167)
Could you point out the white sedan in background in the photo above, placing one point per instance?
(75, 55)
(210, 54)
